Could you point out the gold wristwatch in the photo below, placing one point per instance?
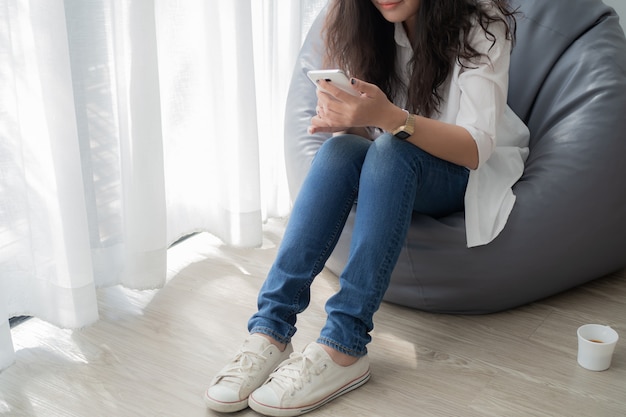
(407, 129)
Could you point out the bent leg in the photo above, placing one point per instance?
(317, 219)
(396, 176)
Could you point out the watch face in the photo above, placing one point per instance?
(402, 135)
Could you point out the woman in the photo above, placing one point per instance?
(431, 78)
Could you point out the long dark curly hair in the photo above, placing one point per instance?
(359, 40)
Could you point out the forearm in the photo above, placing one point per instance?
(446, 141)
(443, 140)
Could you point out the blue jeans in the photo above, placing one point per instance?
(391, 179)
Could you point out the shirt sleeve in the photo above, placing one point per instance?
(484, 85)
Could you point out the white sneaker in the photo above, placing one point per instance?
(307, 381)
(229, 390)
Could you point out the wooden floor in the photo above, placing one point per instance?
(153, 352)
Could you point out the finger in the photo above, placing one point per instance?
(321, 112)
(334, 92)
(363, 87)
(323, 95)
(324, 129)
(319, 124)
(316, 124)
(318, 121)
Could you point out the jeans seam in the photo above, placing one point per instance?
(394, 241)
(330, 243)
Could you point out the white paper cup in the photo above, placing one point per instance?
(596, 344)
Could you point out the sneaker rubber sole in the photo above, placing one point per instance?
(296, 411)
(224, 407)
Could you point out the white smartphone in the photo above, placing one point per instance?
(335, 76)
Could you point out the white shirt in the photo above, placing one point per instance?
(475, 99)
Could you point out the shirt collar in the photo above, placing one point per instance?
(400, 36)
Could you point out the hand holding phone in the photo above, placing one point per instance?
(336, 77)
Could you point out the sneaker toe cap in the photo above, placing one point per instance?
(265, 395)
(222, 394)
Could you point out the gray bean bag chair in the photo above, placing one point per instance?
(568, 84)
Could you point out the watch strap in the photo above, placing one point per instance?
(407, 129)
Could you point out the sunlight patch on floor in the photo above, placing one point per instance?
(36, 334)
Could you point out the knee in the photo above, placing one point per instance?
(388, 149)
(342, 150)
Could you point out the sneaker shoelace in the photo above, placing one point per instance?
(240, 367)
(292, 375)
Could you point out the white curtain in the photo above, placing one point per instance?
(125, 125)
